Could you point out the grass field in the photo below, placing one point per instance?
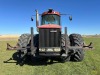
(89, 66)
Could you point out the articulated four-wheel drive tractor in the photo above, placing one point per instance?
(50, 43)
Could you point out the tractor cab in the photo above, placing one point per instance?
(50, 17)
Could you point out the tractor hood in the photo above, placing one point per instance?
(49, 26)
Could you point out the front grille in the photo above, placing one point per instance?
(49, 37)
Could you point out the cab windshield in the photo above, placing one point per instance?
(50, 19)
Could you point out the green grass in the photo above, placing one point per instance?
(89, 66)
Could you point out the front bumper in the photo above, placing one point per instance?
(49, 54)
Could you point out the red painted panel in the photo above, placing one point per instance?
(49, 26)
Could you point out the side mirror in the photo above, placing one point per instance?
(31, 18)
(70, 18)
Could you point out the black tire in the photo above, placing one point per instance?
(78, 55)
(77, 40)
(64, 58)
(36, 44)
(36, 40)
(63, 40)
(23, 41)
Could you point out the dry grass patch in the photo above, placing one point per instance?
(8, 37)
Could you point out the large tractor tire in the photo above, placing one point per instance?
(36, 40)
(77, 41)
(23, 41)
(66, 57)
(63, 40)
(36, 45)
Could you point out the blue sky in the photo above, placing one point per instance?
(15, 15)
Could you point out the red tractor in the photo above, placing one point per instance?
(50, 43)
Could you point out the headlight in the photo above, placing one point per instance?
(42, 49)
(56, 49)
(50, 49)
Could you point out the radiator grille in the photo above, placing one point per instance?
(49, 37)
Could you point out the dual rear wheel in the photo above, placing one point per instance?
(75, 40)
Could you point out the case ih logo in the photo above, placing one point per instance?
(53, 31)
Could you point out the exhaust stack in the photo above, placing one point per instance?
(37, 18)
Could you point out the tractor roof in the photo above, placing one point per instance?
(51, 11)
